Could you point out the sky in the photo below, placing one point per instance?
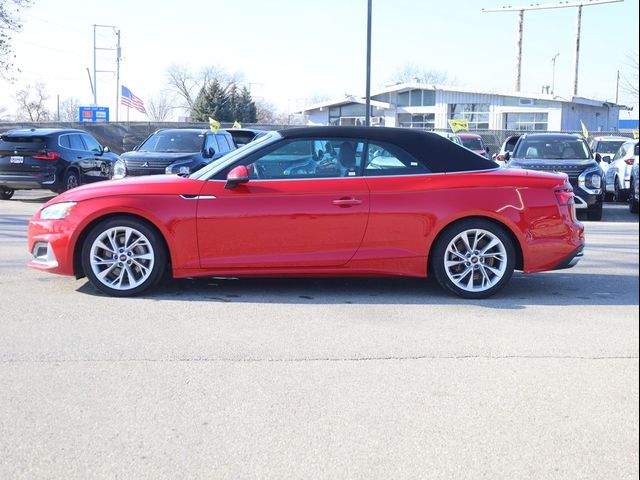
(290, 51)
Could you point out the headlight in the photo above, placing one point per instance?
(119, 169)
(57, 211)
(179, 169)
(594, 181)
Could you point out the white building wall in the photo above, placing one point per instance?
(318, 117)
(596, 119)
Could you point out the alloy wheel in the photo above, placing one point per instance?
(122, 258)
(475, 260)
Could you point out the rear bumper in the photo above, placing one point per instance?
(28, 182)
(571, 260)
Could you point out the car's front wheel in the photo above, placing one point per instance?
(123, 256)
(473, 258)
(6, 193)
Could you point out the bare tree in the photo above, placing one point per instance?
(160, 106)
(31, 103)
(186, 85)
(265, 112)
(9, 23)
(411, 72)
(630, 82)
(69, 109)
(3, 111)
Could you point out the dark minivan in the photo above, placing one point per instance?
(564, 153)
(176, 150)
(51, 158)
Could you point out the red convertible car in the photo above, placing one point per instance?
(317, 201)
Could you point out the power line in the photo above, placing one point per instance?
(562, 4)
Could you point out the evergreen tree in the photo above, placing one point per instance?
(247, 111)
(212, 101)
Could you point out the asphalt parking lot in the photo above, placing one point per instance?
(322, 378)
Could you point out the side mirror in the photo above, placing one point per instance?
(237, 176)
(606, 159)
(507, 156)
(487, 149)
(598, 158)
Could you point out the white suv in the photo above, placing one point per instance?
(604, 148)
(618, 178)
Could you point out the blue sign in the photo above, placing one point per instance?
(94, 114)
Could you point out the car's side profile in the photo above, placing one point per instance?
(321, 201)
(51, 158)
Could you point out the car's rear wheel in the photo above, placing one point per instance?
(633, 203)
(71, 180)
(473, 258)
(123, 256)
(6, 193)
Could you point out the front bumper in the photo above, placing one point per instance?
(50, 246)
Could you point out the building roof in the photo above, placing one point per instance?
(400, 87)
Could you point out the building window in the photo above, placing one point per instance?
(425, 121)
(417, 98)
(527, 121)
(477, 114)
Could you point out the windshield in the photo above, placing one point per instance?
(472, 143)
(609, 146)
(206, 172)
(173, 142)
(558, 148)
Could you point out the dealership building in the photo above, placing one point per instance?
(419, 105)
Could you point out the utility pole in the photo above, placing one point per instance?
(95, 62)
(562, 4)
(553, 75)
(367, 103)
(617, 85)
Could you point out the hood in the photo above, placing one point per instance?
(147, 185)
(158, 156)
(554, 165)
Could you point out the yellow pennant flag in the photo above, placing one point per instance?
(459, 124)
(214, 125)
(237, 124)
(636, 134)
(585, 133)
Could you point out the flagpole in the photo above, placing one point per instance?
(127, 113)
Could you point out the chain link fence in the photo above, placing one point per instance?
(123, 136)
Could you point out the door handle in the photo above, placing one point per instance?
(347, 202)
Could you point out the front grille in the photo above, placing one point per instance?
(136, 172)
(149, 164)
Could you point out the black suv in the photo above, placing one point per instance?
(568, 154)
(52, 158)
(176, 150)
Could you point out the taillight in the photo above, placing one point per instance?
(500, 157)
(630, 161)
(47, 156)
(565, 197)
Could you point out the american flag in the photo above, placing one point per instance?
(130, 100)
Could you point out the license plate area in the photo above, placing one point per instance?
(16, 159)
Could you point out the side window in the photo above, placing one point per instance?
(307, 158)
(222, 141)
(211, 142)
(76, 142)
(387, 159)
(92, 144)
(64, 141)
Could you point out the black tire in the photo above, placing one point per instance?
(619, 195)
(71, 180)
(6, 193)
(438, 256)
(595, 214)
(158, 250)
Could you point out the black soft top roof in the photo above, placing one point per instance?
(438, 153)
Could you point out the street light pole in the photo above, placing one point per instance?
(553, 76)
(367, 103)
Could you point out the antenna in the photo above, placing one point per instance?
(564, 4)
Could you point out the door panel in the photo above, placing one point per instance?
(282, 223)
